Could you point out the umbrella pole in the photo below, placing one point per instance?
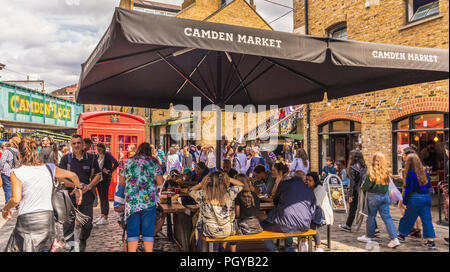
(218, 139)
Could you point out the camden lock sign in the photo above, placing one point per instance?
(25, 105)
(21, 104)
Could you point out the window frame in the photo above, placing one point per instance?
(410, 13)
(330, 132)
(337, 27)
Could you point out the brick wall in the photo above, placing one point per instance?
(382, 22)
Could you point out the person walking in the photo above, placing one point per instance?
(416, 231)
(85, 165)
(107, 164)
(211, 159)
(47, 154)
(240, 160)
(255, 160)
(32, 188)
(357, 169)
(173, 160)
(376, 184)
(141, 175)
(300, 162)
(417, 201)
(9, 161)
(187, 159)
(162, 158)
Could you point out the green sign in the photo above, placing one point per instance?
(22, 104)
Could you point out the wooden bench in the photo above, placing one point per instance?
(265, 235)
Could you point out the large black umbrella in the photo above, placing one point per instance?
(151, 61)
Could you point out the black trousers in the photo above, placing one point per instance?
(353, 208)
(86, 208)
(103, 190)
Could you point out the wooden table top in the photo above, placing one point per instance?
(265, 206)
(174, 208)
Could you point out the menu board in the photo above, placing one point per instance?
(335, 192)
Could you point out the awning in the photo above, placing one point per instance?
(151, 61)
(298, 137)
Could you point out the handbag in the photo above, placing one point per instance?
(63, 207)
(249, 226)
(394, 194)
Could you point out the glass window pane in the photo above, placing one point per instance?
(357, 126)
(403, 124)
(341, 125)
(429, 145)
(427, 121)
(325, 128)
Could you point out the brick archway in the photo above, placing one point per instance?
(334, 114)
(425, 104)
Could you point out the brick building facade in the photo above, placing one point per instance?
(424, 107)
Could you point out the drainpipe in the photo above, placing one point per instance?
(308, 110)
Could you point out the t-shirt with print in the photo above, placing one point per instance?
(244, 211)
(140, 174)
(216, 221)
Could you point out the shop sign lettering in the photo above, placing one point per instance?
(20, 104)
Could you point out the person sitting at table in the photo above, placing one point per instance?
(187, 175)
(264, 181)
(313, 182)
(247, 210)
(215, 198)
(200, 171)
(226, 167)
(295, 208)
(174, 176)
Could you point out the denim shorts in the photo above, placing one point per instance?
(143, 221)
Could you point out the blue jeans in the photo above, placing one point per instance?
(142, 221)
(418, 205)
(7, 187)
(379, 202)
(289, 242)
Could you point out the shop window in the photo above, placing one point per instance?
(428, 133)
(425, 121)
(420, 9)
(338, 31)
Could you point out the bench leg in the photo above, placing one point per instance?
(278, 244)
(299, 244)
(169, 227)
(310, 244)
(210, 247)
(329, 236)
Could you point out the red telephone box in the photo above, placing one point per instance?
(119, 132)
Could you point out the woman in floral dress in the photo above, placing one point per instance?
(141, 175)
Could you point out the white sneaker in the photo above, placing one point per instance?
(364, 239)
(304, 247)
(102, 221)
(394, 243)
(319, 250)
(97, 219)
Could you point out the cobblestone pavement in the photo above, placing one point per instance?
(108, 238)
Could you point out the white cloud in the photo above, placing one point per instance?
(50, 39)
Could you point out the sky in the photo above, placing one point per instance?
(49, 40)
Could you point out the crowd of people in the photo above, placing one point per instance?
(228, 195)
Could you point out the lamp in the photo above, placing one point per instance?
(416, 138)
(436, 139)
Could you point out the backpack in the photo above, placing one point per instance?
(16, 160)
